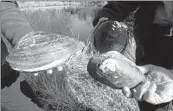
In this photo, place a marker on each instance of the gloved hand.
(157, 89)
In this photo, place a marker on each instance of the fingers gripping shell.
(42, 51)
(114, 70)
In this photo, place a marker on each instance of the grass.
(48, 3)
(73, 89)
(29, 4)
(67, 21)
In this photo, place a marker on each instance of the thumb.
(145, 68)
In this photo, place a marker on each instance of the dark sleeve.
(8, 75)
(13, 24)
(116, 10)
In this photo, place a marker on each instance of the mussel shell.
(126, 74)
(110, 36)
(42, 49)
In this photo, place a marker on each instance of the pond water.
(73, 21)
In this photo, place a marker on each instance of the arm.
(115, 10)
(13, 24)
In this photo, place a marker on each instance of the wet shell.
(110, 36)
(115, 70)
(42, 51)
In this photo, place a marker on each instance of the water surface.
(74, 21)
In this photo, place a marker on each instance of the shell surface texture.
(42, 51)
(110, 36)
(115, 70)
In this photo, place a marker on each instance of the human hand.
(156, 89)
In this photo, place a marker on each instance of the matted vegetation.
(73, 89)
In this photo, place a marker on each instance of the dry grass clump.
(73, 89)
